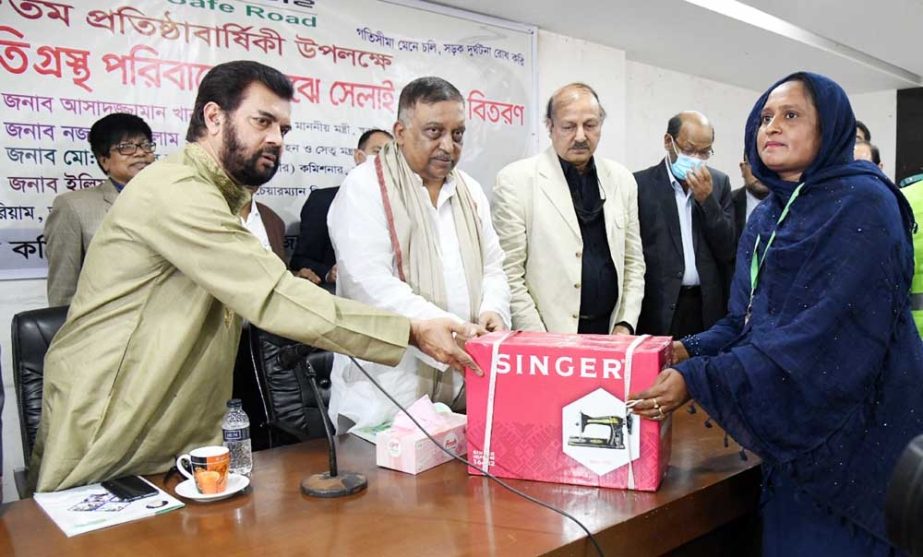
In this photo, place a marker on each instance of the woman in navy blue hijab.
(817, 368)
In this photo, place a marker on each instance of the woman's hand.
(680, 354)
(667, 394)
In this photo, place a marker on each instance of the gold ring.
(659, 409)
(656, 404)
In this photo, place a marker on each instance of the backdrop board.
(65, 64)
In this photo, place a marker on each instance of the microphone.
(289, 356)
(332, 483)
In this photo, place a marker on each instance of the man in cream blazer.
(568, 224)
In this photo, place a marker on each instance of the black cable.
(487, 474)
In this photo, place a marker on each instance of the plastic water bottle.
(236, 429)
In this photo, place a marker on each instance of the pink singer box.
(551, 407)
(405, 448)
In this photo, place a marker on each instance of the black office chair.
(278, 400)
(904, 502)
(32, 334)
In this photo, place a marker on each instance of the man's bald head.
(691, 133)
(688, 116)
(570, 93)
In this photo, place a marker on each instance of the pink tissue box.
(409, 450)
(559, 412)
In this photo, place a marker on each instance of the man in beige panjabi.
(141, 370)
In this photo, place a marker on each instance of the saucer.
(236, 482)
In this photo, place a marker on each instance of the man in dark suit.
(746, 199)
(314, 258)
(687, 231)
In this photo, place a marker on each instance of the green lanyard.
(756, 262)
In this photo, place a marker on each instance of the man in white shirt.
(413, 234)
(687, 230)
(265, 224)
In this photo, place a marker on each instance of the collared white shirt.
(752, 202)
(254, 223)
(684, 201)
(367, 272)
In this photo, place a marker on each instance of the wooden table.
(442, 511)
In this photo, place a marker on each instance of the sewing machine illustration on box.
(615, 424)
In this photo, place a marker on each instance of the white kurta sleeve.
(365, 260)
(495, 290)
(366, 270)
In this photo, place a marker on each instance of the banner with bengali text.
(65, 64)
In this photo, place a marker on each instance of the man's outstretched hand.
(443, 340)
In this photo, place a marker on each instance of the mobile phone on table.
(129, 488)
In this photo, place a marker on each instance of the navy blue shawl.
(825, 383)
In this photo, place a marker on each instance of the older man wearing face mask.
(568, 222)
(413, 235)
(687, 228)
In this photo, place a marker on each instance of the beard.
(243, 167)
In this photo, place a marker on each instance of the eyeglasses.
(128, 148)
(703, 154)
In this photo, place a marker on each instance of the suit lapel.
(110, 194)
(611, 208)
(667, 200)
(612, 205)
(554, 187)
(740, 211)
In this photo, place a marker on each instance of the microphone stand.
(332, 483)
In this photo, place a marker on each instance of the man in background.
(568, 223)
(264, 223)
(687, 228)
(746, 199)
(862, 132)
(912, 188)
(865, 151)
(314, 258)
(123, 145)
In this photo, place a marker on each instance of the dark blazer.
(314, 249)
(739, 198)
(712, 238)
(739, 202)
(275, 229)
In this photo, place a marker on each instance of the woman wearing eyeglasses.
(818, 367)
(123, 145)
